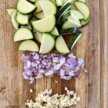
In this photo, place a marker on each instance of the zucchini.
(59, 2)
(27, 26)
(55, 32)
(84, 1)
(10, 11)
(40, 15)
(25, 7)
(48, 7)
(54, 1)
(68, 31)
(38, 7)
(83, 22)
(75, 39)
(33, 1)
(22, 19)
(83, 9)
(72, 22)
(61, 45)
(63, 9)
(47, 43)
(38, 37)
(13, 19)
(45, 25)
(29, 45)
(77, 14)
(23, 34)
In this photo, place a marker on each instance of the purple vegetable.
(37, 66)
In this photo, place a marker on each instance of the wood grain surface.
(92, 87)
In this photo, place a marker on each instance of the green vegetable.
(25, 7)
(61, 45)
(23, 34)
(29, 45)
(47, 43)
(46, 24)
(75, 39)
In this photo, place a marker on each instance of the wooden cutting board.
(92, 87)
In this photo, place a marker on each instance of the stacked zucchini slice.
(41, 24)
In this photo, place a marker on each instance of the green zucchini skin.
(68, 31)
(78, 34)
(64, 9)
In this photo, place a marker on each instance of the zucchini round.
(23, 34)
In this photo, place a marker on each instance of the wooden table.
(92, 87)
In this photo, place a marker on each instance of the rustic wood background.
(92, 87)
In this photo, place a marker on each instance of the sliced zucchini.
(33, 1)
(45, 25)
(63, 9)
(23, 34)
(77, 14)
(25, 6)
(27, 26)
(13, 19)
(47, 43)
(55, 32)
(73, 12)
(68, 31)
(38, 7)
(22, 19)
(10, 10)
(54, 1)
(83, 22)
(40, 15)
(29, 45)
(48, 7)
(72, 22)
(84, 1)
(38, 37)
(73, 7)
(59, 2)
(75, 39)
(61, 45)
(83, 9)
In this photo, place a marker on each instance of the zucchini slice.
(55, 32)
(25, 6)
(40, 15)
(29, 45)
(22, 19)
(10, 10)
(38, 7)
(68, 31)
(54, 1)
(83, 22)
(84, 1)
(13, 19)
(59, 2)
(72, 22)
(64, 9)
(61, 45)
(77, 14)
(48, 7)
(23, 34)
(38, 37)
(33, 1)
(75, 39)
(82, 7)
(27, 26)
(47, 43)
(45, 25)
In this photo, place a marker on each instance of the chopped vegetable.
(54, 101)
(37, 66)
